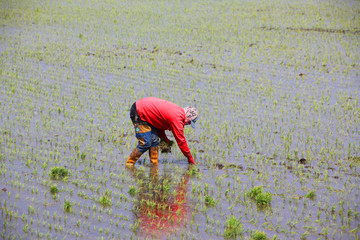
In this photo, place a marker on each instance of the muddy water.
(49, 122)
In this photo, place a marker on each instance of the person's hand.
(191, 160)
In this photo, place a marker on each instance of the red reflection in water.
(159, 210)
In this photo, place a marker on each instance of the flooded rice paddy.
(277, 144)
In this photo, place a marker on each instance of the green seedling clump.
(311, 195)
(259, 236)
(255, 191)
(132, 190)
(67, 206)
(57, 173)
(166, 186)
(209, 201)
(355, 159)
(54, 189)
(262, 198)
(105, 200)
(194, 172)
(233, 228)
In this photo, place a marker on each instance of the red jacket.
(164, 115)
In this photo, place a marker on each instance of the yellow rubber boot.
(134, 156)
(154, 155)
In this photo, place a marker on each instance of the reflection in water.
(159, 208)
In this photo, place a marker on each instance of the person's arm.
(178, 132)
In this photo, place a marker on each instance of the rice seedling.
(67, 206)
(132, 190)
(194, 172)
(209, 201)
(26, 228)
(105, 200)
(311, 195)
(57, 173)
(260, 197)
(258, 235)
(233, 228)
(54, 189)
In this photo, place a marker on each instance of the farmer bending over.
(151, 117)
